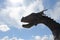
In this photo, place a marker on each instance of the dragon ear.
(42, 12)
(45, 10)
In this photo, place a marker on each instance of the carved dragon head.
(33, 19)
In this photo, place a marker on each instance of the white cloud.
(34, 6)
(51, 37)
(13, 38)
(45, 37)
(13, 12)
(37, 38)
(55, 12)
(4, 28)
(21, 39)
(15, 2)
(5, 38)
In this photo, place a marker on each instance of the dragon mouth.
(27, 25)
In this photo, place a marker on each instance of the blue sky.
(11, 12)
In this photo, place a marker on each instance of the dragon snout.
(22, 19)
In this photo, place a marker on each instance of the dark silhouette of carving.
(36, 18)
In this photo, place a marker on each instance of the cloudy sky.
(11, 12)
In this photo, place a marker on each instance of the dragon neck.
(53, 26)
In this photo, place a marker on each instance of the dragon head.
(33, 19)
